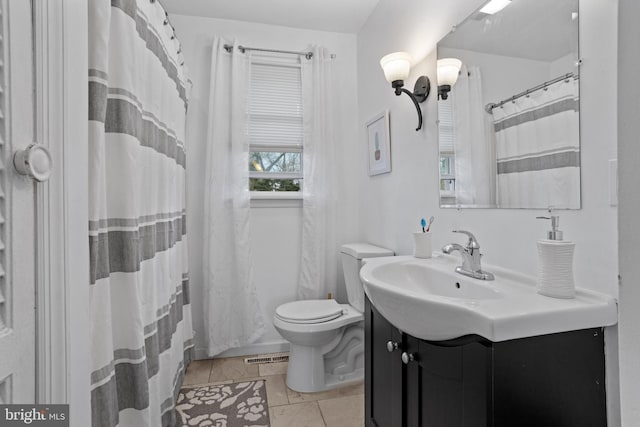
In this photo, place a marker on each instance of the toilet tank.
(352, 255)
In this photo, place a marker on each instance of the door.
(17, 208)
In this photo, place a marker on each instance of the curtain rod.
(243, 49)
(489, 107)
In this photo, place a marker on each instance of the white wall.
(392, 204)
(275, 231)
(628, 93)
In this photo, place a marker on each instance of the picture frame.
(379, 144)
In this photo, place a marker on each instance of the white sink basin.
(427, 299)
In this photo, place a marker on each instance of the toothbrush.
(429, 226)
(423, 223)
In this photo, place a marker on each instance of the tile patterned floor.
(343, 407)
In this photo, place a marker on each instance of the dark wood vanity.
(555, 380)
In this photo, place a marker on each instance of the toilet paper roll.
(555, 268)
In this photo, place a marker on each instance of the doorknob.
(34, 161)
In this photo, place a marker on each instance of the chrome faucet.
(470, 257)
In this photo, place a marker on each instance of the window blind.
(275, 106)
(446, 128)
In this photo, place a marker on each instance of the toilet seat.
(309, 311)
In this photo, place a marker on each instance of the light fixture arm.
(420, 93)
(415, 102)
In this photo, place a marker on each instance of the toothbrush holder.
(422, 245)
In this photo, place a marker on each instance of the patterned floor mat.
(241, 404)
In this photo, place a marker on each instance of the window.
(275, 125)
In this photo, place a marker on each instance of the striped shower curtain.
(538, 149)
(141, 333)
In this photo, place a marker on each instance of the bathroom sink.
(427, 299)
(419, 277)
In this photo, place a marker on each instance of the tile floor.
(343, 407)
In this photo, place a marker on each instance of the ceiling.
(344, 16)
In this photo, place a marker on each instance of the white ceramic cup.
(422, 245)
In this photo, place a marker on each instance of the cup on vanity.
(422, 244)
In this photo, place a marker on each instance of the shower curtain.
(474, 142)
(318, 269)
(141, 333)
(232, 313)
(538, 149)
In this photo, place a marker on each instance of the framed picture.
(379, 145)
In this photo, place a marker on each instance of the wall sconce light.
(396, 67)
(448, 70)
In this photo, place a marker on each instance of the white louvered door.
(17, 208)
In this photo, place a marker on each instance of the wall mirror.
(508, 108)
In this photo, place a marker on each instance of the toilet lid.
(309, 311)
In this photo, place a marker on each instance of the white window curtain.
(318, 271)
(474, 145)
(231, 309)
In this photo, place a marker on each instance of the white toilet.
(327, 338)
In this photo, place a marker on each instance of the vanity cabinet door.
(384, 393)
(551, 380)
(447, 386)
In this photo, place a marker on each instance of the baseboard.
(250, 350)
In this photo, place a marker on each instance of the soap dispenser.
(555, 263)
